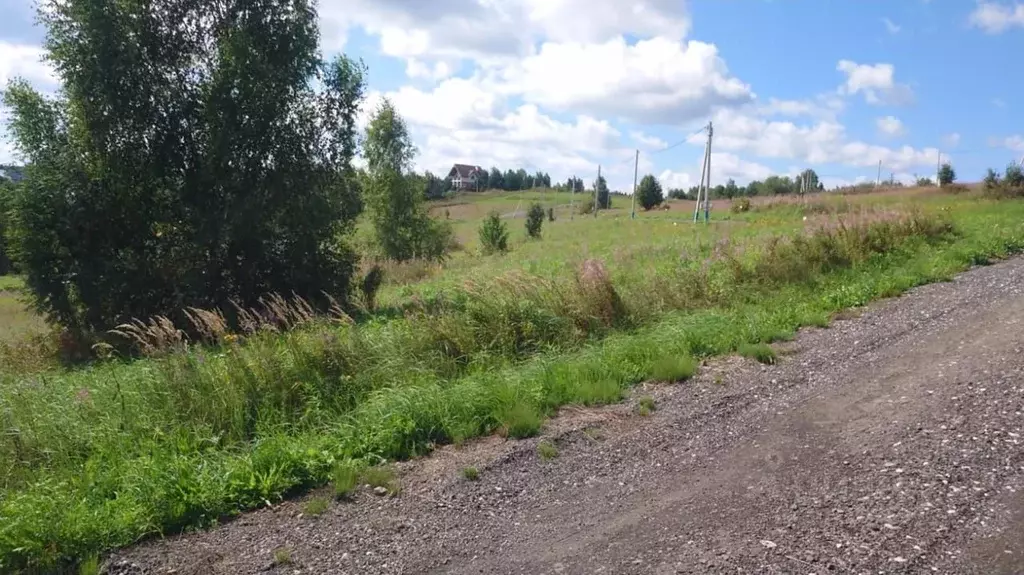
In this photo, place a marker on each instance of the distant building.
(12, 173)
(465, 177)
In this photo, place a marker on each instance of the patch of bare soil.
(888, 443)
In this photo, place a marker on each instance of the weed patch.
(316, 506)
(673, 369)
(761, 352)
(470, 473)
(645, 406)
(547, 450)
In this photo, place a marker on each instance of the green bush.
(493, 234)
(947, 175)
(649, 192)
(155, 183)
(740, 205)
(534, 220)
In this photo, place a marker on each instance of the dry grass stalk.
(155, 337)
(210, 325)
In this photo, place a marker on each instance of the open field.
(99, 457)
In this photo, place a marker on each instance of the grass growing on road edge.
(92, 487)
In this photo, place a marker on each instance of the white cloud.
(596, 21)
(651, 143)
(824, 142)
(891, 26)
(461, 120)
(998, 102)
(1014, 143)
(951, 140)
(26, 61)
(997, 17)
(497, 31)
(876, 81)
(653, 81)
(724, 167)
(890, 126)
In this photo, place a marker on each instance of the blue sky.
(566, 85)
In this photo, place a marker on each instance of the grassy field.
(16, 323)
(103, 455)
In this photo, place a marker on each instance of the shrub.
(493, 234)
(586, 206)
(649, 192)
(924, 182)
(471, 473)
(140, 179)
(370, 284)
(947, 175)
(992, 180)
(1014, 175)
(534, 220)
(740, 205)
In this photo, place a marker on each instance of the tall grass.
(100, 457)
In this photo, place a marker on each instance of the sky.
(566, 86)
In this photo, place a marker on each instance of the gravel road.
(888, 443)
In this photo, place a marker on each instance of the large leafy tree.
(604, 198)
(404, 229)
(649, 193)
(6, 197)
(947, 175)
(199, 153)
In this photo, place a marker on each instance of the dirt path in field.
(888, 443)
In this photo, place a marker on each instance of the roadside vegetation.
(158, 399)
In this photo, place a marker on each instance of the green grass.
(761, 352)
(646, 406)
(547, 450)
(316, 506)
(344, 478)
(282, 556)
(100, 456)
(17, 322)
(471, 473)
(673, 369)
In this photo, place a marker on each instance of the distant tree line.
(437, 187)
(770, 186)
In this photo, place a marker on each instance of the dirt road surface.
(888, 443)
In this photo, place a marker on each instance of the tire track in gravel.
(889, 443)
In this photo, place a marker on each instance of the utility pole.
(636, 168)
(707, 191)
(572, 196)
(938, 170)
(704, 188)
(878, 178)
(597, 185)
